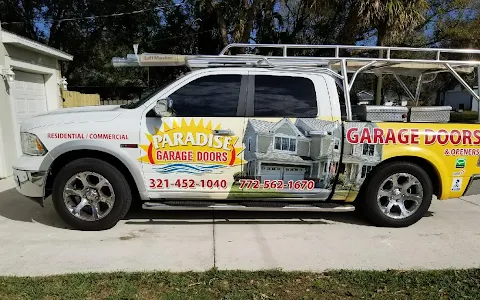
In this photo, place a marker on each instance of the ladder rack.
(336, 60)
(336, 49)
(394, 58)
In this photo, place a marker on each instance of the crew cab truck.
(252, 132)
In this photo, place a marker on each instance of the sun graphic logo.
(190, 148)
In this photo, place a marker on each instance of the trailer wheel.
(398, 195)
(90, 194)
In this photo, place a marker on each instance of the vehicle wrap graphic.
(302, 157)
(188, 169)
(191, 148)
(441, 145)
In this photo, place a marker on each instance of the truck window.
(209, 96)
(284, 96)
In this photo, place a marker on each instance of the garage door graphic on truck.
(308, 149)
(284, 157)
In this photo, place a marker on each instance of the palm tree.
(393, 20)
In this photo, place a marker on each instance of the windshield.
(149, 94)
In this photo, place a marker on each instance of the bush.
(241, 175)
(463, 117)
(238, 175)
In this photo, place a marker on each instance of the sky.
(43, 28)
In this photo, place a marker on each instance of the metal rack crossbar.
(337, 60)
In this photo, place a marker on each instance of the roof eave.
(11, 38)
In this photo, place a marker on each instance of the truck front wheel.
(398, 195)
(90, 194)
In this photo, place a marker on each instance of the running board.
(320, 207)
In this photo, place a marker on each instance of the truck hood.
(101, 113)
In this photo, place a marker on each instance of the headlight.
(31, 145)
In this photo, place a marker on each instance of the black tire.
(123, 195)
(368, 203)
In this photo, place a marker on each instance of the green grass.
(448, 284)
(464, 117)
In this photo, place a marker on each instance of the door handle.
(222, 132)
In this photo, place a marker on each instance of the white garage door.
(285, 173)
(293, 173)
(29, 95)
(271, 173)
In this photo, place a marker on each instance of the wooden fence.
(75, 99)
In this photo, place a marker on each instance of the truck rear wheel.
(90, 194)
(398, 195)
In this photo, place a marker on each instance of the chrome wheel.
(400, 195)
(88, 196)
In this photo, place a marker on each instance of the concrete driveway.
(34, 240)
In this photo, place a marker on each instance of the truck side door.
(198, 151)
(357, 160)
(293, 146)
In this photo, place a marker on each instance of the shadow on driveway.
(15, 207)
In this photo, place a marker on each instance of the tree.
(392, 20)
(19, 16)
(206, 26)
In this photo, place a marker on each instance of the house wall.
(455, 98)
(474, 103)
(250, 168)
(315, 147)
(6, 130)
(303, 148)
(320, 146)
(366, 160)
(27, 61)
(251, 143)
(30, 57)
(264, 142)
(324, 175)
(358, 151)
(327, 146)
(252, 136)
(348, 148)
(286, 129)
(315, 169)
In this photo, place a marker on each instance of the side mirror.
(164, 107)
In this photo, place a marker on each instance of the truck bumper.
(473, 187)
(31, 184)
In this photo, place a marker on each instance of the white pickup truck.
(275, 134)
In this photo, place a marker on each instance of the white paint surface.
(27, 97)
